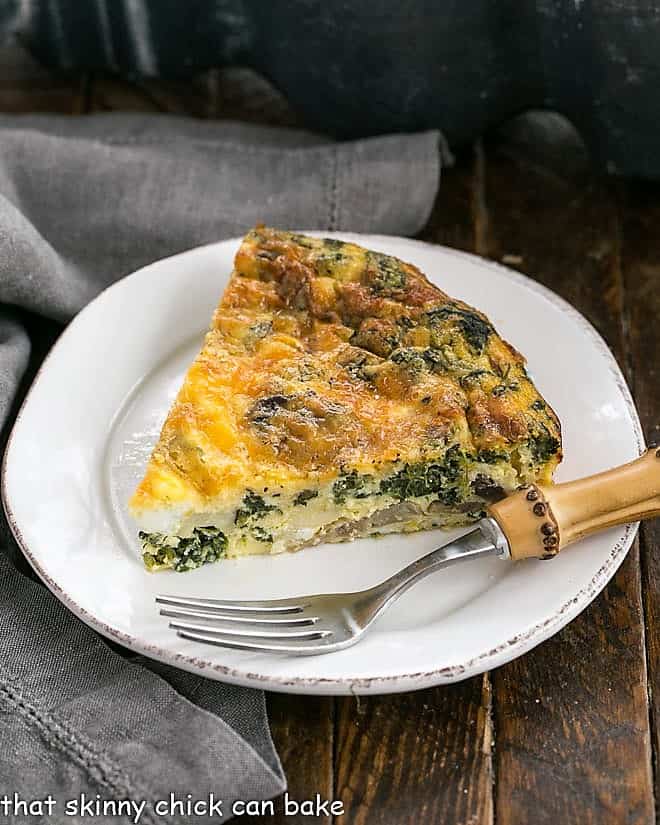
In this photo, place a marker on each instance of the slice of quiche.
(338, 394)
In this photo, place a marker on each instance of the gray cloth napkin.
(84, 201)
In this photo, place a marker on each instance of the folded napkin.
(84, 201)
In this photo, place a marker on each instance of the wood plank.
(230, 93)
(640, 209)
(196, 98)
(243, 94)
(302, 728)
(25, 86)
(416, 757)
(571, 717)
(423, 756)
(457, 213)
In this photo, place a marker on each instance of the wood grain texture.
(27, 87)
(196, 98)
(303, 732)
(457, 211)
(417, 757)
(571, 718)
(228, 94)
(640, 218)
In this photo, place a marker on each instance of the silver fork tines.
(282, 635)
(279, 621)
(273, 606)
(249, 625)
(258, 645)
(309, 624)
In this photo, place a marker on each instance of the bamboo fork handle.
(540, 520)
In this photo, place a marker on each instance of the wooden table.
(568, 733)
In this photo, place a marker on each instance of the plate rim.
(487, 660)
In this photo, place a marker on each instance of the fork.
(308, 625)
(536, 521)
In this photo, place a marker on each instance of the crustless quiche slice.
(338, 394)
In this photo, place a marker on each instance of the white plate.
(85, 431)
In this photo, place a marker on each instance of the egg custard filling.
(338, 394)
